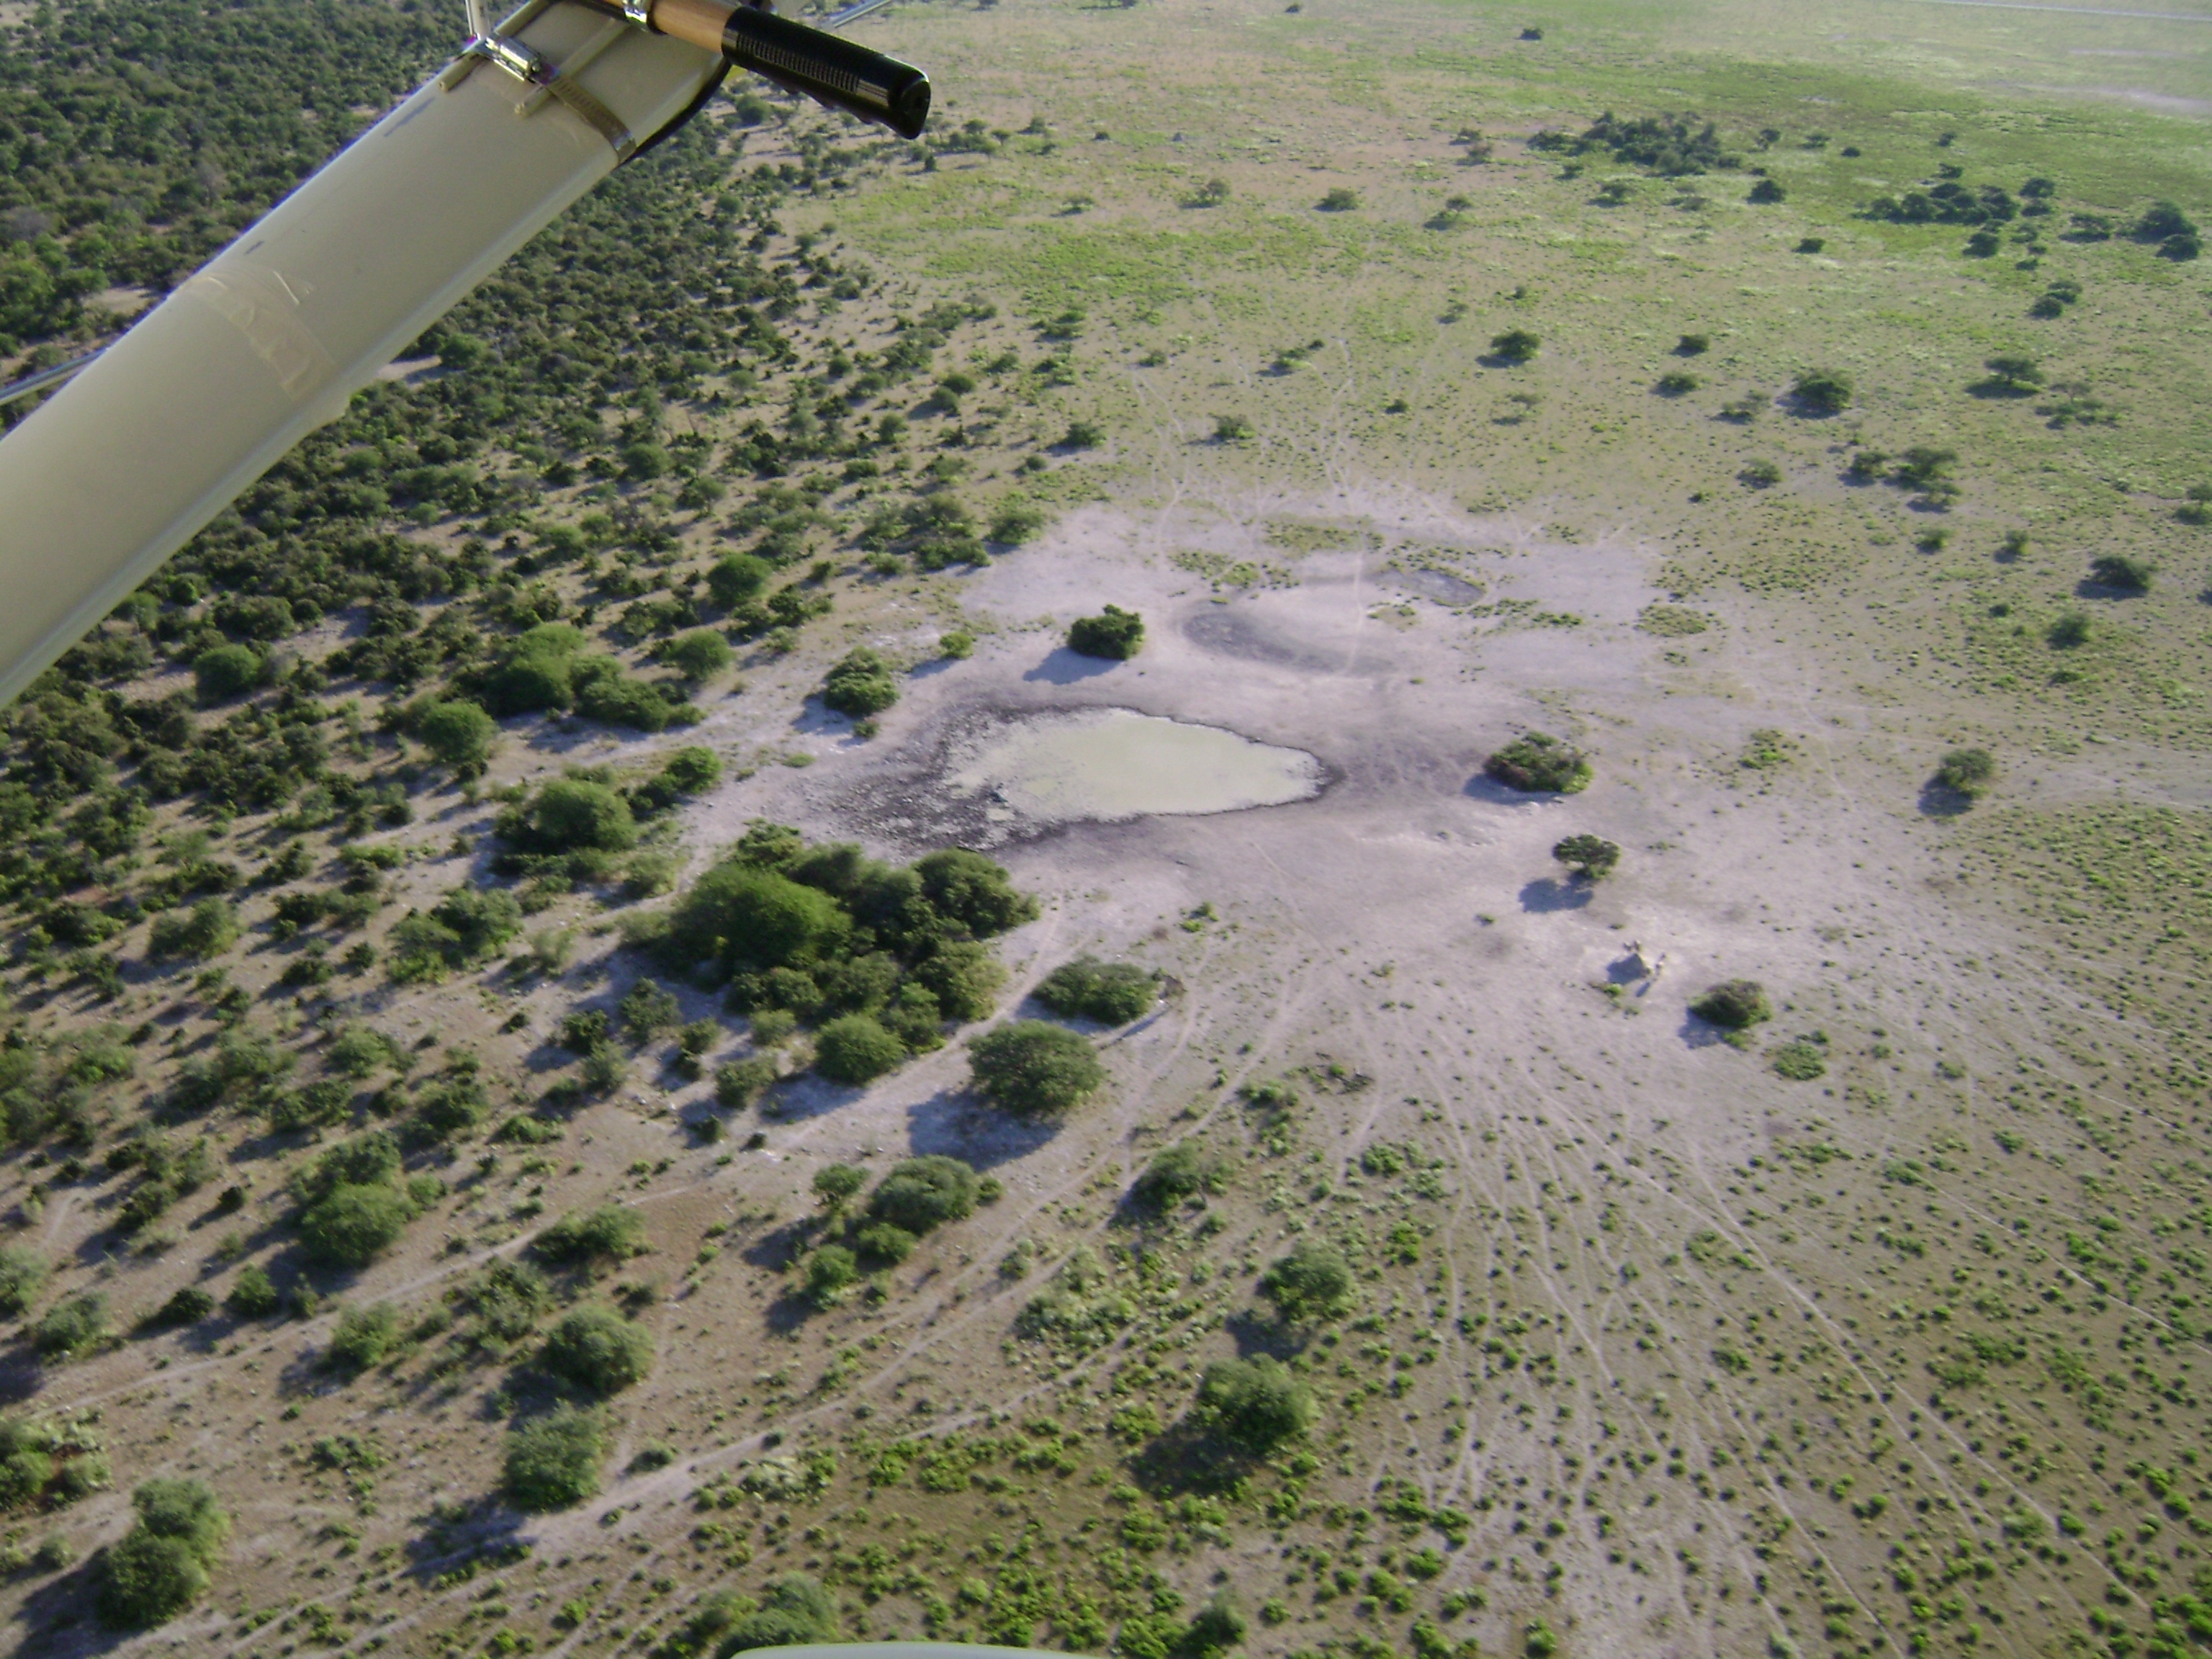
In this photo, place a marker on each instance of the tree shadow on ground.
(1066, 667)
(1697, 1033)
(957, 1123)
(58, 1619)
(1549, 893)
(1939, 800)
(1627, 969)
(459, 1538)
(1186, 1457)
(1484, 787)
(1254, 1334)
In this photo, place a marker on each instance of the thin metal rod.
(44, 379)
(854, 13)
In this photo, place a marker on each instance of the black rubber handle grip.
(828, 67)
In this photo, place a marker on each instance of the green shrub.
(756, 917)
(1540, 764)
(737, 577)
(963, 977)
(465, 926)
(968, 890)
(352, 1225)
(207, 929)
(161, 1567)
(1825, 391)
(861, 684)
(957, 647)
(570, 815)
(699, 655)
(71, 1327)
(1111, 993)
(1256, 1404)
(880, 1241)
(835, 1185)
(856, 1049)
(1800, 1061)
(1034, 1069)
(2123, 571)
(830, 1272)
(552, 1462)
(2069, 632)
(1967, 771)
(1341, 199)
(797, 1611)
(1675, 383)
(363, 1337)
(188, 1306)
(609, 1233)
(1766, 193)
(1175, 1173)
(226, 671)
(252, 1294)
(1115, 634)
(460, 734)
(1311, 1284)
(742, 1082)
(1015, 522)
(600, 1351)
(1591, 857)
(647, 1009)
(1736, 1004)
(22, 1275)
(1516, 345)
(922, 1193)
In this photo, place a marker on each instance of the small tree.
(1116, 634)
(161, 1567)
(226, 671)
(1111, 993)
(797, 1611)
(598, 1350)
(1516, 345)
(609, 1233)
(926, 1192)
(698, 655)
(1034, 1069)
(1231, 430)
(71, 1327)
(1734, 1005)
(742, 1082)
(836, 1186)
(1766, 193)
(458, 733)
(252, 1296)
(855, 1048)
(1174, 1174)
(553, 1462)
(352, 1225)
(207, 929)
(861, 684)
(1339, 200)
(22, 1275)
(830, 1272)
(571, 815)
(1590, 857)
(1824, 391)
(2123, 571)
(2012, 375)
(647, 1009)
(1254, 1404)
(1540, 764)
(1311, 1284)
(1967, 771)
(737, 577)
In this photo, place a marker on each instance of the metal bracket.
(499, 47)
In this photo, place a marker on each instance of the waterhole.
(1105, 764)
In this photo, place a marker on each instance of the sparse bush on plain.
(831, 1271)
(458, 733)
(71, 1327)
(162, 1565)
(1175, 1173)
(742, 1082)
(922, 1193)
(861, 684)
(207, 928)
(797, 1611)
(1591, 857)
(609, 1233)
(855, 1048)
(1824, 391)
(363, 1337)
(1516, 345)
(23, 1272)
(1734, 1005)
(598, 1350)
(1967, 771)
(1114, 634)
(2123, 573)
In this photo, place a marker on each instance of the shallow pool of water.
(1110, 763)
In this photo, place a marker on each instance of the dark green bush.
(1175, 1173)
(698, 655)
(1311, 1284)
(2123, 571)
(647, 1009)
(742, 1082)
(187, 1306)
(458, 733)
(922, 1193)
(553, 1462)
(609, 1233)
(252, 1294)
(856, 1049)
(226, 671)
(465, 926)
(737, 577)
(1115, 634)
(1967, 771)
(1111, 993)
(1254, 1404)
(861, 684)
(963, 977)
(1540, 764)
(567, 815)
(71, 1327)
(23, 1272)
(1514, 345)
(1034, 1069)
(1734, 1005)
(797, 1611)
(830, 1272)
(880, 1241)
(352, 1225)
(756, 917)
(599, 1351)
(208, 928)
(363, 1337)
(162, 1566)
(1825, 391)
(1591, 857)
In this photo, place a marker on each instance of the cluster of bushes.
(918, 1195)
(881, 955)
(50, 1463)
(162, 1565)
(580, 826)
(458, 931)
(1111, 993)
(355, 1200)
(547, 670)
(1670, 146)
